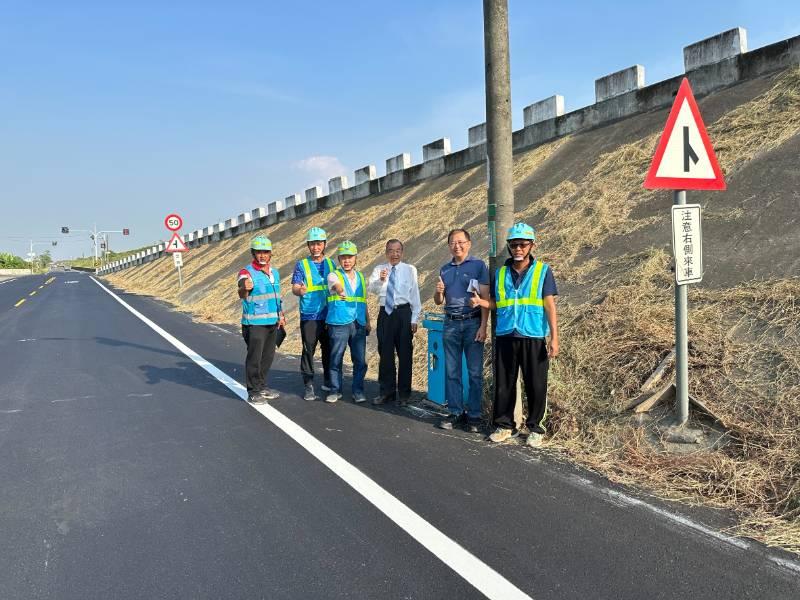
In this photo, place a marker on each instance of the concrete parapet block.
(476, 135)
(436, 149)
(621, 82)
(337, 184)
(715, 49)
(549, 108)
(398, 163)
(312, 195)
(219, 230)
(363, 174)
(290, 204)
(230, 226)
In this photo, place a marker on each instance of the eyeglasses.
(515, 245)
(454, 244)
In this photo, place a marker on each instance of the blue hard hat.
(521, 231)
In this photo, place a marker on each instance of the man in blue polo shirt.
(464, 329)
(309, 284)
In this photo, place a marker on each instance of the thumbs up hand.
(384, 274)
(475, 301)
(440, 286)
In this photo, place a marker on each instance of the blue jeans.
(459, 338)
(355, 336)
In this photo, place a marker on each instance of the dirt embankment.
(607, 240)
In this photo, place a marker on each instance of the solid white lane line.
(468, 566)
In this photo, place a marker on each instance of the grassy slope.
(607, 240)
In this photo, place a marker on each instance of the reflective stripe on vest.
(313, 302)
(533, 298)
(262, 305)
(350, 308)
(521, 310)
(310, 285)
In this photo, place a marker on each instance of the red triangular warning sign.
(684, 158)
(176, 244)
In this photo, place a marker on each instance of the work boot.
(309, 393)
(501, 434)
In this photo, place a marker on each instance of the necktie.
(389, 304)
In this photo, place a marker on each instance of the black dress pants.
(313, 333)
(529, 355)
(260, 340)
(394, 335)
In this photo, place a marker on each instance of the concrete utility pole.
(499, 159)
(499, 166)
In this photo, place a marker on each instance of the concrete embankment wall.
(711, 64)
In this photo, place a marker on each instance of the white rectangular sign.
(687, 243)
(177, 257)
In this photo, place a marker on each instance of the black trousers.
(313, 333)
(394, 335)
(260, 340)
(528, 355)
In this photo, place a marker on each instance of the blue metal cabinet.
(434, 323)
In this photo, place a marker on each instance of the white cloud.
(321, 169)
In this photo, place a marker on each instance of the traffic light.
(65, 230)
(126, 231)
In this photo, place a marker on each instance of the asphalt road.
(128, 471)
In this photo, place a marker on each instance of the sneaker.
(449, 422)
(326, 387)
(331, 398)
(473, 425)
(501, 434)
(534, 439)
(359, 398)
(309, 393)
(256, 398)
(401, 402)
(269, 394)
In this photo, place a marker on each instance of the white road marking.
(622, 499)
(11, 411)
(7, 281)
(485, 579)
(222, 329)
(139, 395)
(27, 340)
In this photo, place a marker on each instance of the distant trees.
(9, 261)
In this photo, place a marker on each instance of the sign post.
(176, 246)
(684, 160)
(177, 258)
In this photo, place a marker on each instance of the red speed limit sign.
(173, 222)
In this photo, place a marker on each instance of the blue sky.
(120, 112)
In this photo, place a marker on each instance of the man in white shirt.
(395, 284)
